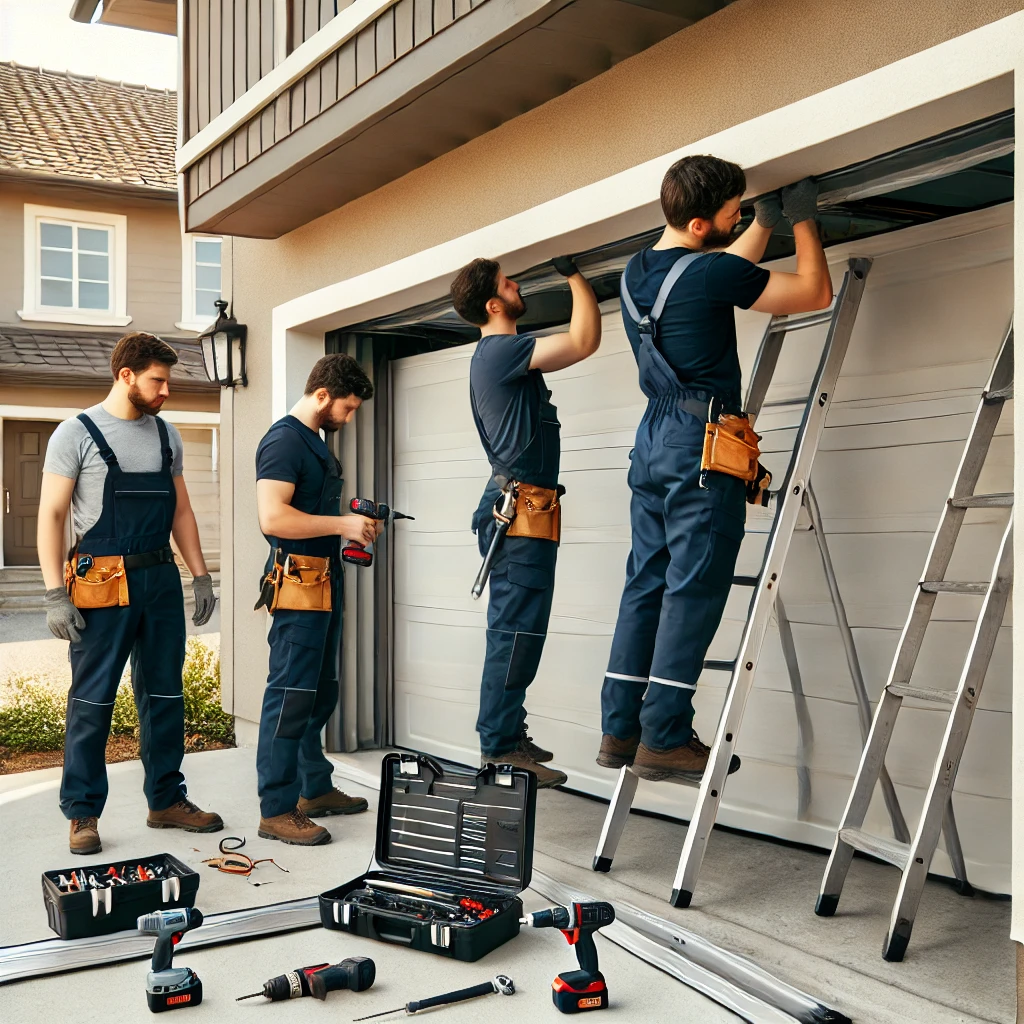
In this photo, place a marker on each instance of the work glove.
(768, 210)
(63, 619)
(202, 587)
(800, 201)
(565, 265)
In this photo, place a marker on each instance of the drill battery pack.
(191, 995)
(579, 991)
(454, 849)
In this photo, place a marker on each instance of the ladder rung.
(1003, 500)
(801, 322)
(953, 587)
(947, 697)
(720, 666)
(892, 851)
(746, 581)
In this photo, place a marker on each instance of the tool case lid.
(450, 821)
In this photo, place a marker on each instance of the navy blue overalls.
(302, 684)
(135, 521)
(521, 584)
(685, 539)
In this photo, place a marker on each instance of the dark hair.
(474, 286)
(699, 186)
(341, 375)
(138, 351)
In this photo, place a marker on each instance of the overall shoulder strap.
(675, 272)
(165, 445)
(106, 452)
(310, 444)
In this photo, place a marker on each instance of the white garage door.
(938, 300)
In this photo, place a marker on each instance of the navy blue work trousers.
(150, 631)
(521, 586)
(301, 693)
(685, 540)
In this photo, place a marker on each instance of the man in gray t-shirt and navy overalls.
(520, 434)
(120, 466)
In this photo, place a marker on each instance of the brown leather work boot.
(616, 753)
(295, 828)
(85, 836)
(680, 764)
(332, 802)
(546, 777)
(531, 750)
(185, 815)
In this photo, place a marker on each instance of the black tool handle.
(357, 973)
(586, 952)
(451, 997)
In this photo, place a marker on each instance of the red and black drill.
(585, 989)
(356, 553)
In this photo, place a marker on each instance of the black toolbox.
(89, 912)
(451, 829)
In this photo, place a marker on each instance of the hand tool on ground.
(499, 983)
(233, 863)
(355, 553)
(356, 974)
(167, 987)
(585, 989)
(503, 517)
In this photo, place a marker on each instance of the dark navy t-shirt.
(697, 329)
(288, 455)
(506, 394)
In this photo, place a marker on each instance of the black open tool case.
(88, 912)
(452, 830)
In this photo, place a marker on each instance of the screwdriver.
(499, 983)
(355, 973)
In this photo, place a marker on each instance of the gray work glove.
(565, 265)
(62, 617)
(202, 587)
(800, 201)
(768, 210)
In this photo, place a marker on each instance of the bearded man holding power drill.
(298, 500)
(678, 298)
(519, 430)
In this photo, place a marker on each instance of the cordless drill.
(167, 987)
(585, 989)
(356, 553)
(356, 973)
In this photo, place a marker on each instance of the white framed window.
(75, 267)
(201, 281)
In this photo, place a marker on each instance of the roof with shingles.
(88, 129)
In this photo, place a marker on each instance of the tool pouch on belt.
(538, 513)
(104, 585)
(730, 446)
(302, 583)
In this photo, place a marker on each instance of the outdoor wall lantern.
(223, 347)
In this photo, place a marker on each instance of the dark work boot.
(332, 802)
(531, 750)
(546, 777)
(680, 764)
(295, 828)
(85, 836)
(616, 753)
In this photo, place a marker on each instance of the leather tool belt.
(730, 447)
(299, 583)
(101, 581)
(538, 512)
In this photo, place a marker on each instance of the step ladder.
(914, 858)
(840, 319)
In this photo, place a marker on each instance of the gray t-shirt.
(72, 452)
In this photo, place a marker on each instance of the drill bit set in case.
(97, 899)
(454, 849)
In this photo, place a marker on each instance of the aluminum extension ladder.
(840, 318)
(914, 858)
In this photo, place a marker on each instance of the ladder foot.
(603, 864)
(680, 898)
(964, 888)
(896, 943)
(826, 905)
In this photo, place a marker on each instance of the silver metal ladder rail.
(840, 318)
(914, 858)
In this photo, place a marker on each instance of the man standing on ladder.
(519, 430)
(687, 524)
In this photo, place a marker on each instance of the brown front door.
(24, 448)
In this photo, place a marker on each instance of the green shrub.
(32, 718)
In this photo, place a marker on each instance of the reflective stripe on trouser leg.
(519, 606)
(296, 657)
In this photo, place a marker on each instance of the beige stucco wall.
(154, 254)
(753, 57)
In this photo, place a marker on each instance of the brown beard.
(716, 239)
(135, 397)
(515, 310)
